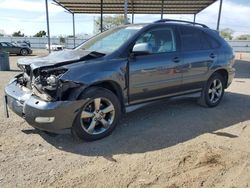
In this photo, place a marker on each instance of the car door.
(13, 48)
(197, 56)
(5, 47)
(156, 74)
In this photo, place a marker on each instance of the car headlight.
(52, 80)
(47, 81)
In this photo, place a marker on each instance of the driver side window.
(160, 40)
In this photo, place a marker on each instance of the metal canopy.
(131, 7)
(136, 6)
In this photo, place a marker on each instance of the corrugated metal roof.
(136, 6)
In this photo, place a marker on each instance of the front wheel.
(99, 115)
(213, 91)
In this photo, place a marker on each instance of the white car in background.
(55, 47)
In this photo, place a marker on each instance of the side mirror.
(142, 49)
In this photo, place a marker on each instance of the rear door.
(198, 56)
(156, 74)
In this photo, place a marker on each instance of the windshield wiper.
(96, 54)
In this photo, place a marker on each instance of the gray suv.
(88, 88)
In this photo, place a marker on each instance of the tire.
(24, 52)
(213, 91)
(93, 122)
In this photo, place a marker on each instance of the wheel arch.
(113, 87)
(224, 73)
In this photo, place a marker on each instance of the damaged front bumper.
(48, 116)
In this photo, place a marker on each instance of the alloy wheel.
(97, 116)
(215, 91)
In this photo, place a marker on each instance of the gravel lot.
(172, 143)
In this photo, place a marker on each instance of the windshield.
(109, 41)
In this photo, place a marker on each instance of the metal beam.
(74, 31)
(137, 12)
(181, 3)
(101, 15)
(219, 16)
(138, 9)
(125, 11)
(47, 19)
(194, 18)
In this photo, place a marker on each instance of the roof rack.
(182, 21)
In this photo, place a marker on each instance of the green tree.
(62, 40)
(227, 33)
(243, 37)
(18, 34)
(108, 22)
(40, 34)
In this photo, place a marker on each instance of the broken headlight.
(48, 82)
(52, 80)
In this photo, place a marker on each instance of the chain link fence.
(40, 42)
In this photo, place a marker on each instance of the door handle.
(176, 59)
(212, 55)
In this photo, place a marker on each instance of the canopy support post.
(125, 11)
(74, 33)
(47, 19)
(194, 18)
(133, 12)
(219, 16)
(162, 4)
(101, 16)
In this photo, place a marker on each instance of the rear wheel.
(24, 52)
(99, 115)
(213, 91)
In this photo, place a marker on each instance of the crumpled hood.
(55, 58)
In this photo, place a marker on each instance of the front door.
(158, 73)
(6, 47)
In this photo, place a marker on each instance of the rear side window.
(193, 39)
(213, 43)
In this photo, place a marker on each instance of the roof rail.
(182, 21)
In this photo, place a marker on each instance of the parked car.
(88, 88)
(55, 47)
(15, 49)
(24, 43)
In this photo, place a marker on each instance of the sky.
(29, 17)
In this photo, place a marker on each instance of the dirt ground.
(171, 144)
